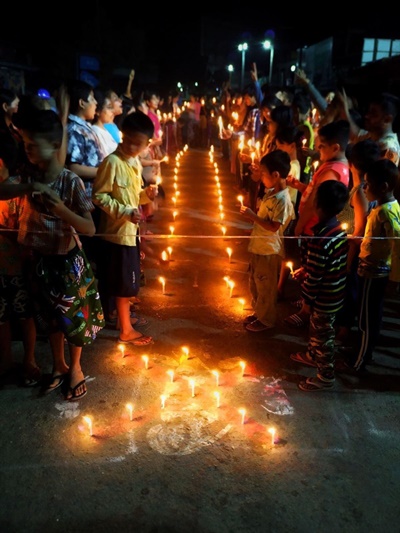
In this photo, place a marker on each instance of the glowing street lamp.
(242, 48)
(230, 70)
(268, 45)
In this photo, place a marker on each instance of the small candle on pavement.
(272, 431)
(129, 406)
(243, 413)
(89, 423)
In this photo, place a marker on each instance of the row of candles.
(185, 350)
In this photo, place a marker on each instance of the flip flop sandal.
(249, 319)
(72, 396)
(315, 384)
(257, 326)
(295, 321)
(56, 381)
(301, 357)
(143, 340)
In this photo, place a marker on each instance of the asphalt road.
(185, 459)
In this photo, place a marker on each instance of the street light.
(230, 70)
(242, 48)
(268, 45)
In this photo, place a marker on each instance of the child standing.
(118, 191)
(14, 298)
(324, 284)
(333, 139)
(379, 258)
(266, 243)
(63, 285)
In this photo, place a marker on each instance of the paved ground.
(194, 466)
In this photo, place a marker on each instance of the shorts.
(15, 302)
(122, 269)
(64, 290)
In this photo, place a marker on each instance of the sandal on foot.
(143, 340)
(295, 321)
(298, 304)
(249, 319)
(31, 376)
(56, 381)
(140, 321)
(314, 384)
(72, 395)
(301, 357)
(257, 326)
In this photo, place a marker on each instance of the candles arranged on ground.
(129, 407)
(163, 398)
(89, 423)
(164, 256)
(174, 214)
(242, 301)
(192, 385)
(145, 359)
(216, 374)
(121, 348)
(217, 398)
(171, 229)
(229, 252)
(162, 281)
(242, 365)
(243, 414)
(223, 229)
(272, 431)
(231, 287)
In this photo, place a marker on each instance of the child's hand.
(151, 191)
(299, 274)
(135, 216)
(247, 212)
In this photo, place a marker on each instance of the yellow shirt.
(118, 190)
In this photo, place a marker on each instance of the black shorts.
(122, 270)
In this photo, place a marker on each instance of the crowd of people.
(88, 160)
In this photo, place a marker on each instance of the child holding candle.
(323, 278)
(64, 289)
(266, 243)
(333, 139)
(118, 191)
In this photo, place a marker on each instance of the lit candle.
(122, 349)
(304, 142)
(242, 301)
(272, 431)
(289, 264)
(129, 406)
(164, 256)
(229, 252)
(243, 366)
(174, 214)
(223, 229)
(146, 361)
(240, 198)
(163, 398)
(231, 286)
(169, 250)
(243, 413)
(171, 375)
(216, 374)
(192, 384)
(217, 397)
(222, 216)
(89, 423)
(172, 229)
(344, 226)
(185, 350)
(162, 281)
(253, 155)
(221, 127)
(174, 200)
(226, 279)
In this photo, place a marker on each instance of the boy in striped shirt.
(323, 284)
